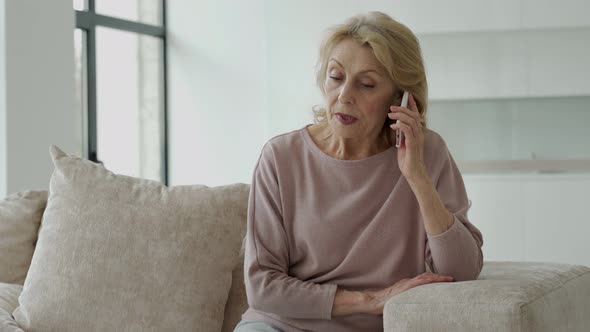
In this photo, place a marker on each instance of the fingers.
(433, 277)
(408, 132)
(409, 122)
(423, 279)
(409, 115)
(405, 116)
(430, 274)
(411, 109)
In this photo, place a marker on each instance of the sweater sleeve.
(269, 288)
(456, 252)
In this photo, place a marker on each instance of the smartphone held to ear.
(399, 135)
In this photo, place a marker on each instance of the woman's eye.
(368, 86)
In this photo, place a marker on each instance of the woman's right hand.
(377, 299)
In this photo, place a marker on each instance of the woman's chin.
(345, 131)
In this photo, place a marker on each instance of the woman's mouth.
(345, 119)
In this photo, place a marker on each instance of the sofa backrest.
(236, 303)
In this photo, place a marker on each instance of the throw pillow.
(118, 253)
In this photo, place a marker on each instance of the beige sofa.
(102, 252)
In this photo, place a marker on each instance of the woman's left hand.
(410, 155)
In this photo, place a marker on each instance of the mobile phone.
(399, 135)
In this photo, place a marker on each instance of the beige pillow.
(20, 216)
(117, 253)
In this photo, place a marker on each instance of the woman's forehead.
(351, 54)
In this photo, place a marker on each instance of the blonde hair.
(395, 47)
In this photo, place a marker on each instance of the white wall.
(217, 90)
(2, 99)
(238, 74)
(37, 98)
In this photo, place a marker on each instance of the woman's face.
(356, 87)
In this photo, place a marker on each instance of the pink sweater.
(316, 223)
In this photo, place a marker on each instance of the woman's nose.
(346, 94)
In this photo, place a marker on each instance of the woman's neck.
(346, 148)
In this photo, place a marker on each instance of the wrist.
(370, 303)
(351, 302)
(366, 301)
(420, 177)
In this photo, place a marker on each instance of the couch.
(101, 251)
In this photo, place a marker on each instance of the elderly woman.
(340, 220)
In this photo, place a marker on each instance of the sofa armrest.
(508, 296)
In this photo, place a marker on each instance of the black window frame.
(87, 21)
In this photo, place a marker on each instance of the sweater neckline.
(383, 156)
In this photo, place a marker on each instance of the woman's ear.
(397, 97)
(397, 101)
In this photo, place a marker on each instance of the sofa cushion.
(8, 302)
(508, 296)
(20, 216)
(117, 253)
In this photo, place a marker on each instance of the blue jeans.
(255, 326)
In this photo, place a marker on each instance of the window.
(121, 85)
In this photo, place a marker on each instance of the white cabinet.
(516, 134)
(511, 100)
(507, 64)
(509, 81)
(533, 217)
